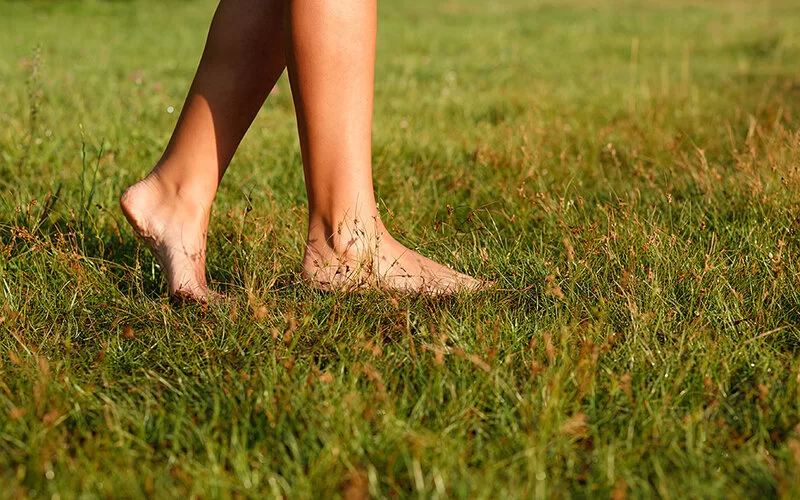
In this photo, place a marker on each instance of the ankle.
(346, 235)
(153, 197)
(172, 181)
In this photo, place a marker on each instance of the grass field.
(628, 172)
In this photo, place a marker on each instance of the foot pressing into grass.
(174, 227)
(354, 259)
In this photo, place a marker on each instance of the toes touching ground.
(174, 229)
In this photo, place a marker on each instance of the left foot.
(174, 229)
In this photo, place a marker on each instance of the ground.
(627, 172)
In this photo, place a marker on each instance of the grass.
(628, 172)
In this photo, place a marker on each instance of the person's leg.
(331, 63)
(170, 208)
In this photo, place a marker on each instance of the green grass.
(628, 172)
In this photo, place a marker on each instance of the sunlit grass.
(627, 172)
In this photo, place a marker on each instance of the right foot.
(174, 228)
(371, 258)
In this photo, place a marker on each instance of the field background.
(628, 172)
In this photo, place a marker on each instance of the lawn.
(628, 172)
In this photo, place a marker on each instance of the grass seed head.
(17, 413)
(576, 426)
(356, 486)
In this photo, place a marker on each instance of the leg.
(170, 208)
(331, 62)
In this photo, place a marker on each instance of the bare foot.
(174, 228)
(350, 260)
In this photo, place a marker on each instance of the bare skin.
(329, 49)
